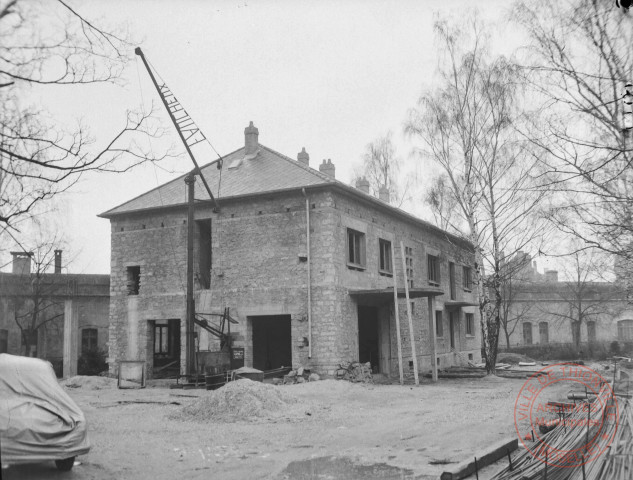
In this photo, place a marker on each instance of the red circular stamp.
(566, 433)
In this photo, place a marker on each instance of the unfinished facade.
(304, 263)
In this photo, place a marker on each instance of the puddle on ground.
(342, 468)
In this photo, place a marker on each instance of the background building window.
(89, 337)
(470, 324)
(355, 248)
(434, 269)
(591, 331)
(385, 265)
(133, 280)
(625, 330)
(543, 331)
(408, 252)
(439, 325)
(467, 278)
(527, 333)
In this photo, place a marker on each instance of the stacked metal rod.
(573, 452)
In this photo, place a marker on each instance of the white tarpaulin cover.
(38, 420)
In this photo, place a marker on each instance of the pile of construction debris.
(355, 372)
(89, 382)
(300, 375)
(239, 400)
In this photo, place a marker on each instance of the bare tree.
(468, 128)
(444, 205)
(37, 298)
(583, 297)
(516, 275)
(578, 64)
(381, 167)
(44, 46)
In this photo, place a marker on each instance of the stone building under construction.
(303, 262)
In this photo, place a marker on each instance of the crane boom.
(178, 124)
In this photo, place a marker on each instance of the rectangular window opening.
(451, 280)
(89, 337)
(385, 266)
(355, 249)
(470, 324)
(439, 325)
(133, 280)
(204, 253)
(433, 263)
(408, 251)
(467, 278)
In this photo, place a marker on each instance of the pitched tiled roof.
(269, 171)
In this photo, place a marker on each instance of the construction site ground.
(336, 430)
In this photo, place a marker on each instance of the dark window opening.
(439, 325)
(625, 330)
(355, 248)
(408, 252)
(527, 333)
(4, 340)
(385, 265)
(204, 253)
(543, 330)
(591, 331)
(451, 280)
(89, 337)
(470, 324)
(433, 263)
(467, 278)
(133, 280)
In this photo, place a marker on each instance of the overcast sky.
(329, 76)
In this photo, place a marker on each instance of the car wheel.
(66, 464)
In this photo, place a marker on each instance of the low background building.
(62, 315)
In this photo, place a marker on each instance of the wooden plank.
(411, 332)
(397, 314)
(484, 458)
(433, 338)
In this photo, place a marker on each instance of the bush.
(92, 362)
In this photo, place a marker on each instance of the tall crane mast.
(190, 135)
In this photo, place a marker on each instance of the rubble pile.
(355, 372)
(89, 382)
(238, 400)
(300, 375)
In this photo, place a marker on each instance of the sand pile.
(89, 383)
(238, 400)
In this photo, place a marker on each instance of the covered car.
(38, 420)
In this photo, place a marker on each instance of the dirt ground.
(337, 430)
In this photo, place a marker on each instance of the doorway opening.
(452, 327)
(369, 337)
(272, 343)
(166, 347)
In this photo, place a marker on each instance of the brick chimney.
(551, 276)
(328, 168)
(303, 157)
(22, 262)
(383, 194)
(58, 261)
(251, 139)
(363, 185)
